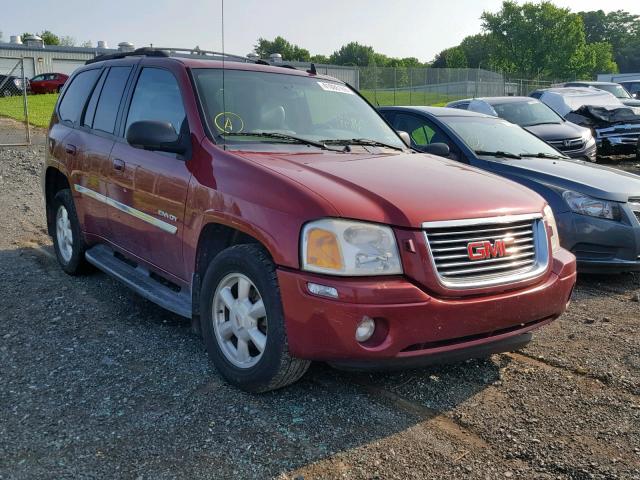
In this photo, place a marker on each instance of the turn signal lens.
(323, 250)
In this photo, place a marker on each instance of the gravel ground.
(96, 382)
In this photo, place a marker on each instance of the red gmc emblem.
(485, 249)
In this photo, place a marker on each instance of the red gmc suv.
(280, 212)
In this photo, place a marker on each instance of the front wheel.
(243, 321)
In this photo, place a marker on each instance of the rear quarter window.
(76, 95)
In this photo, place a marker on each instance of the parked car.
(48, 82)
(597, 208)
(616, 126)
(632, 86)
(10, 85)
(283, 214)
(534, 116)
(615, 89)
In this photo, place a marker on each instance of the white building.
(40, 58)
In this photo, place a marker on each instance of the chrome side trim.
(481, 221)
(145, 217)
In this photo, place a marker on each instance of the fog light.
(365, 329)
(322, 290)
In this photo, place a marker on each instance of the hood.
(401, 189)
(630, 102)
(556, 131)
(584, 177)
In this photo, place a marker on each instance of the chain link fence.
(437, 86)
(14, 112)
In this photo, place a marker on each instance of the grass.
(385, 98)
(40, 108)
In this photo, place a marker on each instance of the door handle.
(118, 164)
(70, 149)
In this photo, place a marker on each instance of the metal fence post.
(25, 103)
(395, 84)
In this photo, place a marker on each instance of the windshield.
(617, 90)
(288, 106)
(527, 114)
(497, 135)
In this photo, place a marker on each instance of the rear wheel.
(68, 240)
(243, 322)
(6, 93)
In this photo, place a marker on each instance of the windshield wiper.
(279, 136)
(542, 155)
(361, 141)
(540, 123)
(498, 154)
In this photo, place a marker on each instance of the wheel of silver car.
(242, 321)
(6, 93)
(239, 320)
(64, 233)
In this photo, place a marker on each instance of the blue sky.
(418, 28)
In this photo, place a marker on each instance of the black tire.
(76, 263)
(276, 368)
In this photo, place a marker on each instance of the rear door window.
(110, 96)
(76, 95)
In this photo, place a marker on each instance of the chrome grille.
(526, 252)
(568, 145)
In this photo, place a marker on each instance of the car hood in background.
(402, 189)
(556, 131)
(630, 102)
(594, 180)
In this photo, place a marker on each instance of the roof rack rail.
(197, 51)
(141, 52)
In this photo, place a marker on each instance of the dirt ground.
(96, 382)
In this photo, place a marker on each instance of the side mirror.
(405, 137)
(154, 135)
(439, 149)
(636, 95)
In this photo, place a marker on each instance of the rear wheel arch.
(55, 181)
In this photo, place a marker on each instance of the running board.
(139, 279)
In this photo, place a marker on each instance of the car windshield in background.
(617, 90)
(527, 114)
(497, 135)
(284, 108)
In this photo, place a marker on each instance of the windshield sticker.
(229, 122)
(335, 87)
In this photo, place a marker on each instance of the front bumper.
(617, 145)
(601, 246)
(413, 323)
(588, 153)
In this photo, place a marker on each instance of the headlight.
(593, 207)
(552, 227)
(345, 247)
(17, 82)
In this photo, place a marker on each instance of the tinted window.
(107, 109)
(76, 95)
(157, 97)
(421, 132)
(37, 78)
(90, 111)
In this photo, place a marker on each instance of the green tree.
(289, 51)
(353, 54)
(453, 57)
(321, 59)
(49, 38)
(540, 40)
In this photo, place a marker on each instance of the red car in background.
(48, 82)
